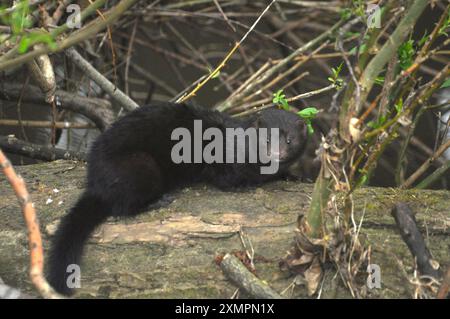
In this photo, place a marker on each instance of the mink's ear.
(303, 126)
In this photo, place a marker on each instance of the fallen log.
(171, 252)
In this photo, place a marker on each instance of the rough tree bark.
(170, 253)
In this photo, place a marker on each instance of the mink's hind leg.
(230, 178)
(136, 183)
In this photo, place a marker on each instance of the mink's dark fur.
(130, 167)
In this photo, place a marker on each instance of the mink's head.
(292, 133)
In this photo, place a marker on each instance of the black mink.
(130, 167)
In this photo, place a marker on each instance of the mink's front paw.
(163, 202)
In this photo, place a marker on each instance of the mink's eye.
(288, 141)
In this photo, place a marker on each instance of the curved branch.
(95, 109)
(245, 280)
(377, 64)
(34, 235)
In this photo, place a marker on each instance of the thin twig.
(225, 60)
(34, 235)
(46, 153)
(422, 169)
(46, 124)
(124, 100)
(261, 104)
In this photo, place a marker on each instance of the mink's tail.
(70, 238)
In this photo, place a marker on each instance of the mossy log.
(171, 252)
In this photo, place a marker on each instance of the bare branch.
(46, 153)
(120, 97)
(34, 235)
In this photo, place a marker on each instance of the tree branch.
(377, 64)
(34, 235)
(126, 102)
(95, 109)
(85, 33)
(46, 153)
(245, 280)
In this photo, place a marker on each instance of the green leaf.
(31, 39)
(379, 80)
(19, 19)
(399, 105)
(279, 98)
(377, 123)
(371, 124)
(350, 34)
(363, 180)
(308, 113)
(445, 25)
(423, 39)
(406, 53)
(338, 82)
(446, 84)
(362, 49)
(337, 70)
(345, 13)
(358, 8)
(215, 74)
(364, 177)
(24, 44)
(309, 127)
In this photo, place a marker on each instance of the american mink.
(130, 167)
